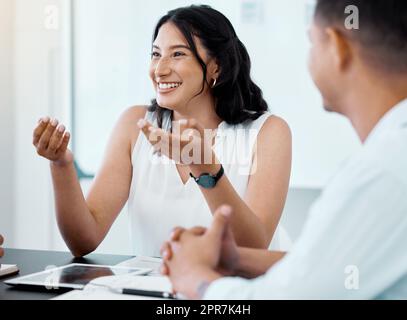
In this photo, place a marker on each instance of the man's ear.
(340, 47)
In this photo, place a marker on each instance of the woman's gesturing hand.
(187, 144)
(51, 141)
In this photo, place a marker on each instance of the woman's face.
(175, 72)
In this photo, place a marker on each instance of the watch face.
(207, 182)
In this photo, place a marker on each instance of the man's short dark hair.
(382, 29)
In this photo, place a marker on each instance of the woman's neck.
(203, 112)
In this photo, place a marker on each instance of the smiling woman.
(201, 74)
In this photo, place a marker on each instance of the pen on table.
(147, 293)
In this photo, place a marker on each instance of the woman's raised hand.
(51, 141)
(188, 144)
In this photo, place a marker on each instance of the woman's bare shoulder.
(134, 113)
(276, 127)
(128, 121)
(126, 128)
(129, 117)
(275, 135)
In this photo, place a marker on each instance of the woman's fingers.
(164, 270)
(56, 139)
(198, 231)
(158, 138)
(176, 233)
(39, 130)
(51, 139)
(46, 136)
(64, 144)
(173, 144)
(144, 126)
(166, 251)
(153, 135)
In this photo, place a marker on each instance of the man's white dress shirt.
(354, 244)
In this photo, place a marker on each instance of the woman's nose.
(162, 68)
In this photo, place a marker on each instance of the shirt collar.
(394, 119)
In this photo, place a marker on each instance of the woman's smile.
(167, 87)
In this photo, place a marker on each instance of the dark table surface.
(31, 261)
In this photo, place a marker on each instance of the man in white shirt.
(353, 245)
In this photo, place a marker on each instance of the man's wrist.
(204, 278)
(239, 268)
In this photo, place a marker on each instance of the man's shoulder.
(388, 156)
(375, 166)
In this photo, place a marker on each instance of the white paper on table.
(144, 262)
(98, 289)
(99, 294)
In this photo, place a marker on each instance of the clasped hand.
(199, 255)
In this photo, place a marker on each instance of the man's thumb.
(220, 223)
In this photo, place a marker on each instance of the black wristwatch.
(208, 181)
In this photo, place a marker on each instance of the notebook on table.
(8, 270)
(72, 276)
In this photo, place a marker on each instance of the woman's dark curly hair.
(237, 97)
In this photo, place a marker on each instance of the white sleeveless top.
(159, 201)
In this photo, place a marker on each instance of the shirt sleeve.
(352, 247)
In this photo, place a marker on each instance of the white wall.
(39, 77)
(7, 127)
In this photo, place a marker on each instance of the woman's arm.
(256, 217)
(253, 263)
(85, 222)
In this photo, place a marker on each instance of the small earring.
(214, 83)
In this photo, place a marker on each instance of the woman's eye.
(155, 55)
(179, 54)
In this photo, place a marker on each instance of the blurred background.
(85, 61)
